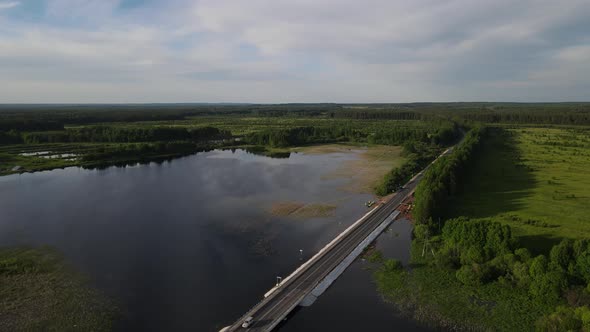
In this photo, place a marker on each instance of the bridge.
(313, 277)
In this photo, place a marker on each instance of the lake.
(191, 244)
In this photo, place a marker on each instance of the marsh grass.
(301, 210)
(38, 292)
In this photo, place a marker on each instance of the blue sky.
(270, 51)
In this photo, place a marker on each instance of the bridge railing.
(303, 267)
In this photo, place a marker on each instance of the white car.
(247, 322)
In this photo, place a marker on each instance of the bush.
(375, 256)
(467, 276)
(563, 319)
(421, 231)
(523, 254)
(502, 265)
(561, 255)
(463, 234)
(474, 274)
(546, 288)
(391, 265)
(472, 255)
(538, 266)
(520, 274)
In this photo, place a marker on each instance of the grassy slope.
(537, 181)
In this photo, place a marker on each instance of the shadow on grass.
(416, 265)
(538, 244)
(498, 181)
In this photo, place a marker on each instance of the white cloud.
(8, 4)
(304, 50)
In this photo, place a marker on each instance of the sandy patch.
(302, 210)
(367, 170)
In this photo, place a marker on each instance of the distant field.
(537, 180)
(38, 156)
(242, 125)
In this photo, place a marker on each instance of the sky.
(278, 51)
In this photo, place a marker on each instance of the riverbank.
(16, 159)
(38, 292)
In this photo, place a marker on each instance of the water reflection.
(186, 244)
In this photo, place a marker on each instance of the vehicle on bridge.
(246, 324)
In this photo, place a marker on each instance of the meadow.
(536, 180)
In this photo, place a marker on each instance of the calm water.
(189, 244)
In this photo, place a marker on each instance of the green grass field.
(537, 180)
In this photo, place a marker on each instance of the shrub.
(547, 287)
(472, 255)
(561, 255)
(474, 274)
(538, 266)
(421, 231)
(391, 265)
(563, 319)
(523, 254)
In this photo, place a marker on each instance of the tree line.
(418, 155)
(567, 117)
(124, 135)
(56, 117)
(441, 181)
(389, 114)
(440, 133)
(140, 151)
